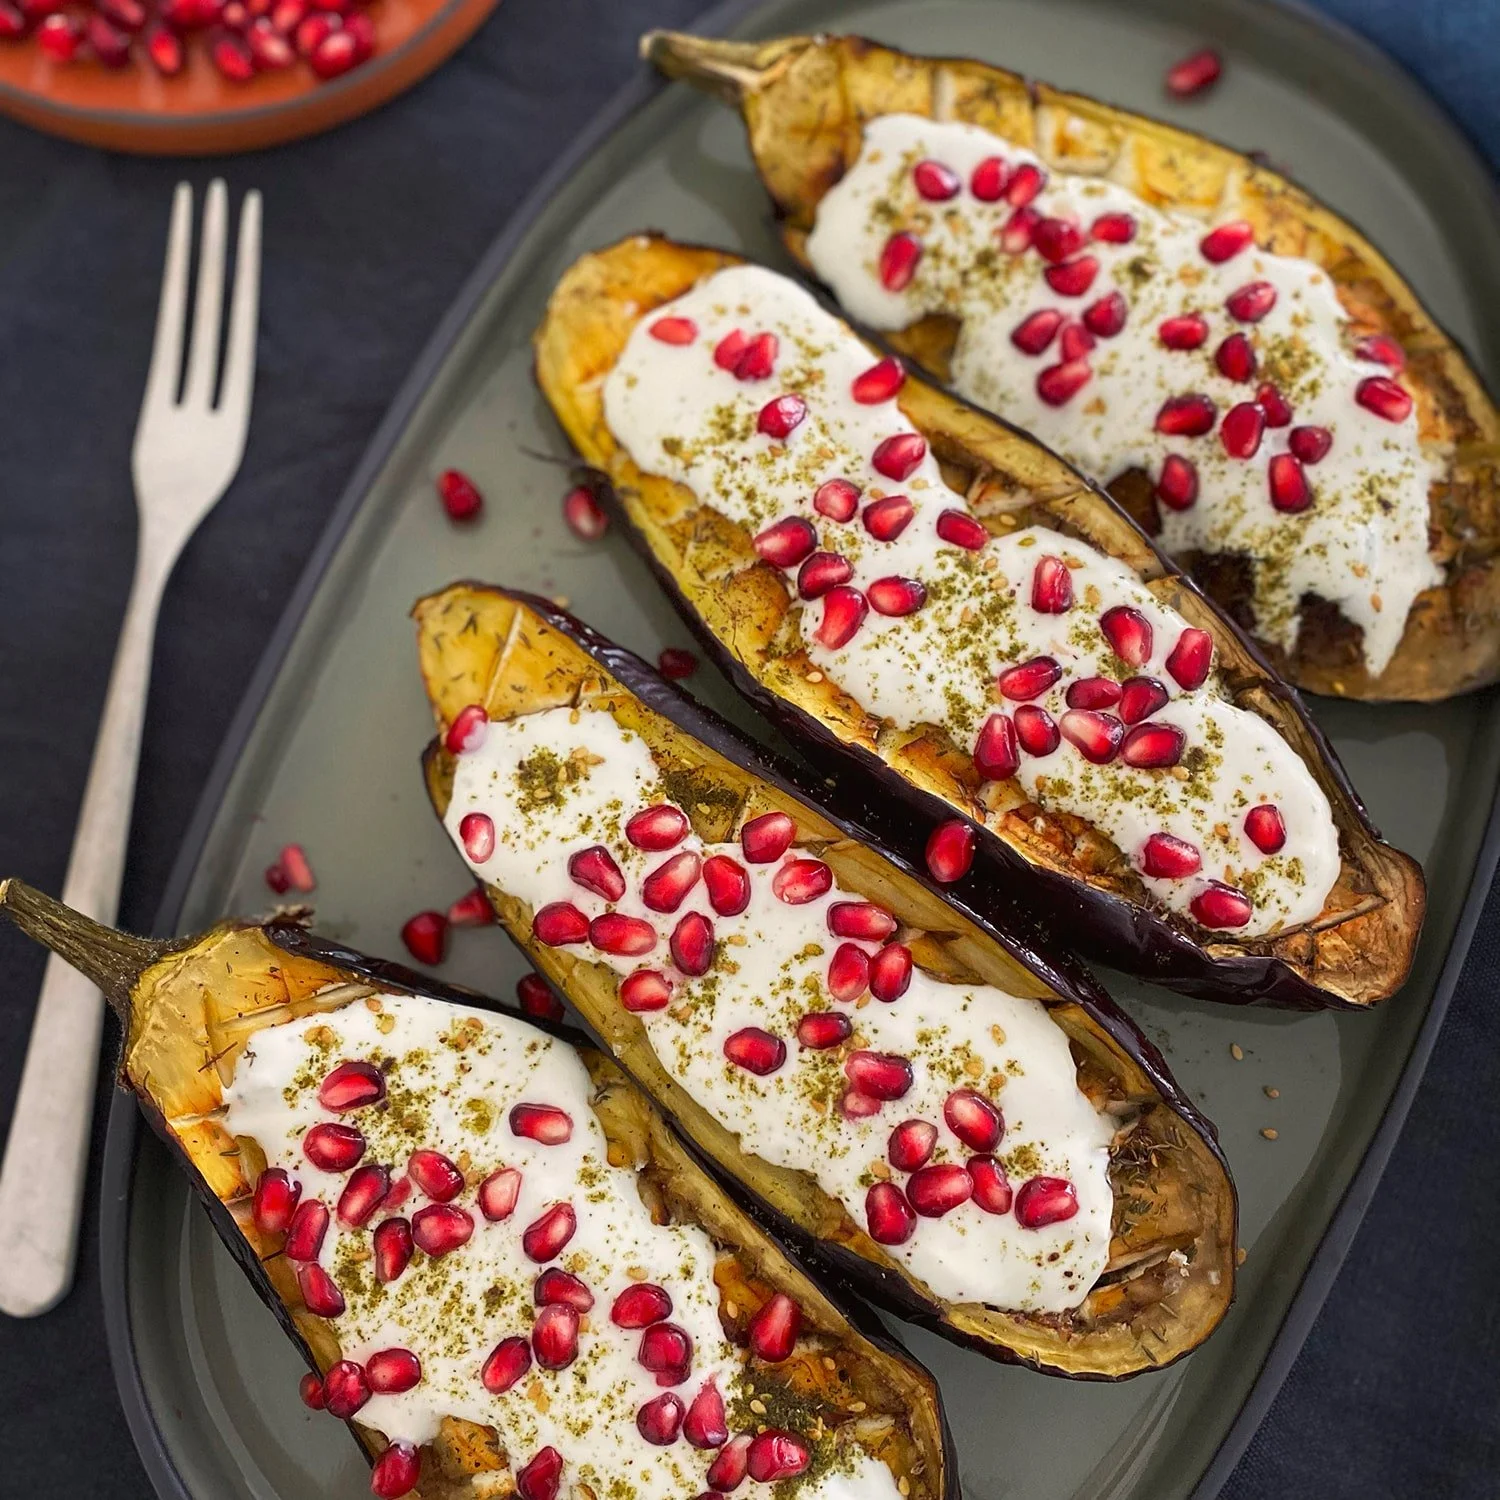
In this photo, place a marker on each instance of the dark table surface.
(1397, 1392)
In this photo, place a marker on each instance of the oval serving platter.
(208, 1389)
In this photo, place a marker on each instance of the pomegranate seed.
(1186, 416)
(544, 1238)
(286, 15)
(1025, 183)
(881, 1075)
(352, 1085)
(1290, 491)
(472, 909)
(950, 851)
(1045, 1200)
(459, 494)
(879, 383)
(334, 1148)
(898, 261)
(435, 1175)
(667, 1351)
(345, 1389)
(396, 1471)
(848, 972)
(399, 1193)
(362, 1194)
(656, 828)
(1096, 736)
(1129, 634)
(1151, 747)
(545, 1124)
(666, 887)
(991, 1186)
(1192, 76)
(507, 1362)
(959, 529)
(1037, 330)
(1226, 241)
(675, 663)
(1381, 349)
(640, 1306)
(1073, 277)
(274, 1200)
(559, 924)
(59, 36)
(440, 1228)
(844, 611)
(896, 597)
(692, 944)
(1076, 342)
(888, 1216)
(391, 1371)
(705, 1425)
(310, 1388)
(554, 1336)
(623, 937)
(757, 361)
(645, 990)
(468, 729)
(775, 1455)
(111, 46)
(540, 1479)
(338, 52)
(1381, 395)
(498, 1193)
(1273, 403)
(774, 1329)
(426, 937)
(1218, 905)
(1114, 228)
(231, 55)
(728, 1470)
(727, 884)
(164, 48)
(824, 1029)
(837, 499)
(1051, 587)
(1235, 358)
(1166, 857)
(1036, 730)
(890, 972)
(799, 881)
(1191, 658)
(911, 1144)
(767, 838)
(787, 543)
(1093, 692)
(1056, 239)
(886, 519)
(988, 179)
(276, 878)
(729, 350)
(1029, 680)
(319, 1292)
(755, 1050)
(304, 1236)
(1241, 430)
(584, 516)
(974, 1120)
(1187, 331)
(1265, 828)
(857, 1106)
(996, 754)
(781, 417)
(672, 330)
(659, 1421)
(936, 182)
(1309, 444)
(477, 831)
(860, 919)
(392, 1246)
(1106, 317)
(595, 870)
(938, 1189)
(821, 572)
(1058, 384)
(1251, 302)
(1140, 697)
(1015, 233)
(898, 457)
(313, 31)
(1177, 487)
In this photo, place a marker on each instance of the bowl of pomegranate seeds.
(189, 77)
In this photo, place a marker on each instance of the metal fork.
(186, 452)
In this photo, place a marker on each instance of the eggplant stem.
(730, 70)
(114, 960)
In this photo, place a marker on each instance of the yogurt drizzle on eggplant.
(450, 1082)
(1115, 714)
(559, 782)
(1085, 313)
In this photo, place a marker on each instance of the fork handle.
(46, 1152)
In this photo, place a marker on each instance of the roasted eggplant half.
(928, 1107)
(502, 1267)
(1259, 385)
(934, 604)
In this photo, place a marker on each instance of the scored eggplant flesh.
(1168, 1273)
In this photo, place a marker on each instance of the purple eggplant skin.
(1015, 929)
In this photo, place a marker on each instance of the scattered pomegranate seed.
(1218, 905)
(1051, 587)
(544, 1238)
(321, 1296)
(276, 878)
(896, 597)
(667, 1351)
(899, 456)
(460, 495)
(881, 1075)
(540, 1479)
(837, 499)
(1106, 317)
(584, 515)
(1096, 736)
(730, 348)
(659, 1420)
(392, 1248)
(781, 417)
(1026, 181)
(886, 519)
(848, 972)
(821, 572)
(692, 944)
(959, 529)
(336, 53)
(1114, 228)
(857, 1106)
(366, 1187)
(974, 1120)
(1177, 485)
(111, 45)
(397, 1471)
(1381, 349)
(334, 1148)
(766, 838)
(595, 870)
(879, 383)
(1140, 697)
(799, 881)
(1241, 429)
(391, 1371)
(310, 33)
(705, 1425)
(1072, 278)
(656, 828)
(472, 909)
(1058, 384)
(1186, 331)
(435, 1175)
(640, 1306)
(1151, 747)
(164, 48)
(992, 1190)
(729, 1468)
(507, 1362)
(274, 1200)
(988, 179)
(400, 1191)
(468, 730)
(996, 753)
(1226, 241)
(440, 1228)
(1251, 302)
(1036, 730)
(860, 919)
(1186, 416)
(1015, 233)
(1093, 692)
(544, 1123)
(352, 1085)
(1381, 395)
(310, 1388)
(59, 36)
(1273, 403)
(1235, 358)
(1193, 75)
(1165, 857)
(1055, 239)
(645, 990)
(1045, 1200)
(304, 1239)
(231, 56)
(758, 359)
(888, 1215)
(1309, 444)
(755, 1050)
(1029, 680)
(1129, 634)
(787, 543)
(675, 663)
(498, 1194)
(890, 972)
(672, 330)
(667, 886)
(950, 850)
(936, 182)
(774, 1329)
(727, 884)
(938, 1189)
(911, 1144)
(559, 924)
(898, 261)
(426, 937)
(1191, 658)
(476, 830)
(1037, 330)
(345, 1389)
(1075, 343)
(1265, 828)
(554, 1336)
(824, 1029)
(1290, 491)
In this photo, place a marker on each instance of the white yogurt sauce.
(769, 971)
(1362, 544)
(452, 1079)
(678, 414)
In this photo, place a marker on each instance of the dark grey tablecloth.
(1397, 1392)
